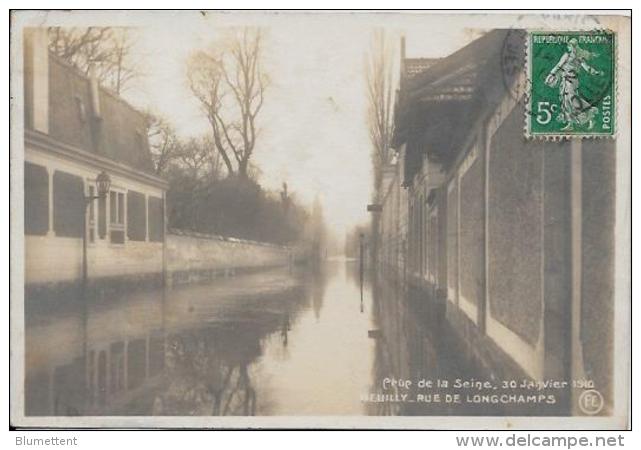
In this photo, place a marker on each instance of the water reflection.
(279, 342)
(416, 344)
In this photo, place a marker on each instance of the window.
(140, 143)
(116, 208)
(136, 216)
(121, 208)
(102, 378)
(82, 113)
(113, 208)
(117, 217)
(156, 354)
(102, 217)
(36, 199)
(117, 366)
(433, 241)
(68, 204)
(92, 215)
(91, 376)
(117, 236)
(452, 239)
(156, 219)
(136, 357)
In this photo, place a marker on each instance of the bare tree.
(380, 119)
(230, 84)
(163, 143)
(380, 103)
(194, 157)
(105, 50)
(214, 161)
(123, 69)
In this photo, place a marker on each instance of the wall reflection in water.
(415, 342)
(187, 351)
(279, 342)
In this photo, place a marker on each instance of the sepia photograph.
(320, 219)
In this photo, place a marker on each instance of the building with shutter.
(73, 130)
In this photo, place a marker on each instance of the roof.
(416, 66)
(436, 106)
(118, 132)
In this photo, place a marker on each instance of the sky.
(313, 129)
(313, 123)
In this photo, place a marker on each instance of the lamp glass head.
(103, 183)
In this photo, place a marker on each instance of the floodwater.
(290, 341)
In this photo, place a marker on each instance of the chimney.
(94, 89)
(95, 123)
(36, 43)
(402, 61)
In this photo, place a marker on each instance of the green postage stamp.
(573, 84)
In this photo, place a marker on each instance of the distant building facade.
(515, 236)
(74, 129)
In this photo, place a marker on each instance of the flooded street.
(296, 341)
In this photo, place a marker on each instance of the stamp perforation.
(529, 86)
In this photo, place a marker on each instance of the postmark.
(572, 88)
(513, 62)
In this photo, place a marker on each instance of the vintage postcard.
(348, 219)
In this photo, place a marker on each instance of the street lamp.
(361, 263)
(103, 183)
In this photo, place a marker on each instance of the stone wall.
(471, 230)
(193, 257)
(187, 257)
(596, 333)
(515, 247)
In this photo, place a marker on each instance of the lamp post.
(103, 183)
(361, 261)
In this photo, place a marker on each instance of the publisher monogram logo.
(591, 402)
